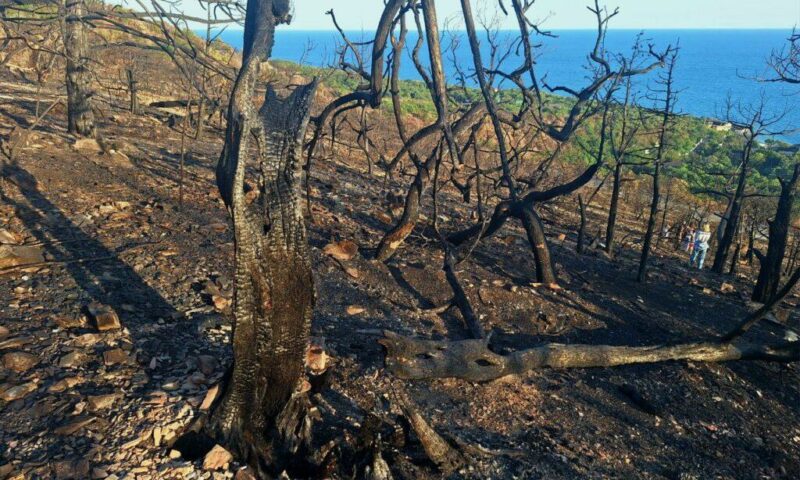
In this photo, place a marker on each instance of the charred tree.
(751, 242)
(521, 205)
(668, 94)
(130, 76)
(785, 63)
(641, 277)
(80, 118)
(754, 122)
(580, 247)
(262, 413)
(735, 208)
(664, 230)
(624, 129)
(613, 208)
(769, 275)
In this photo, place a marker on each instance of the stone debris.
(115, 356)
(208, 400)
(15, 342)
(217, 458)
(355, 309)
(105, 318)
(344, 250)
(19, 361)
(207, 364)
(73, 469)
(221, 303)
(10, 393)
(157, 436)
(73, 359)
(66, 322)
(65, 384)
(86, 340)
(245, 473)
(87, 145)
(353, 272)
(102, 402)
(74, 426)
(9, 238)
(16, 255)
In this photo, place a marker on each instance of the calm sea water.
(712, 63)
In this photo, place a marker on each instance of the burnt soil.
(113, 232)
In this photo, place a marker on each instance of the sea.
(713, 65)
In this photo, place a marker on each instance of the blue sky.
(560, 14)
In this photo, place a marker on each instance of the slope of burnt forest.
(110, 240)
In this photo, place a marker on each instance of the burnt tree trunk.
(262, 413)
(666, 115)
(769, 275)
(735, 263)
(651, 225)
(793, 256)
(534, 229)
(80, 118)
(579, 247)
(133, 91)
(751, 243)
(613, 208)
(721, 255)
(661, 231)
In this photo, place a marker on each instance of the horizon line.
(570, 29)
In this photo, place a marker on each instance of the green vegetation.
(703, 157)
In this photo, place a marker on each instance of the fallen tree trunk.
(417, 359)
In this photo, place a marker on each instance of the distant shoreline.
(713, 62)
(238, 28)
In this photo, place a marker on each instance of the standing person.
(687, 240)
(701, 239)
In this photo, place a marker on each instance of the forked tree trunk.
(80, 118)
(261, 415)
(769, 276)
